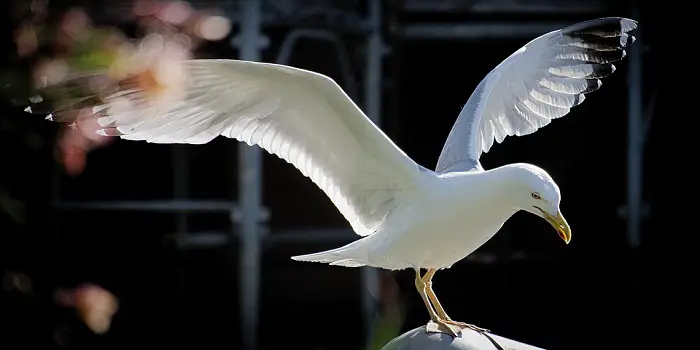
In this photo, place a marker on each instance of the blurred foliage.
(61, 60)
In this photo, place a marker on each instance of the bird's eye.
(536, 195)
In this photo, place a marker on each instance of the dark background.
(553, 296)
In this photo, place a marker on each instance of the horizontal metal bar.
(166, 206)
(475, 31)
(151, 205)
(311, 235)
(200, 240)
(492, 7)
(504, 6)
(214, 239)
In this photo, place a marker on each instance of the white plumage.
(409, 217)
(303, 117)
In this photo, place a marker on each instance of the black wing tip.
(605, 26)
(627, 40)
(592, 84)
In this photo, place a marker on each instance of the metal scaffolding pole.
(180, 183)
(635, 140)
(479, 31)
(249, 185)
(372, 103)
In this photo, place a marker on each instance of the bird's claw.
(441, 326)
(463, 325)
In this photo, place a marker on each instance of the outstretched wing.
(303, 117)
(539, 82)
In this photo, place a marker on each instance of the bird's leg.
(421, 287)
(427, 280)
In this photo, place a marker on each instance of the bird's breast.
(436, 234)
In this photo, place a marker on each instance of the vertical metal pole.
(56, 200)
(372, 103)
(180, 189)
(635, 140)
(180, 183)
(250, 190)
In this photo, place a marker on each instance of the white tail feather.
(344, 256)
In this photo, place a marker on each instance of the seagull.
(408, 217)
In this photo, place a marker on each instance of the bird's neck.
(493, 188)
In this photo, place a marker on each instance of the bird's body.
(435, 229)
(408, 216)
(443, 230)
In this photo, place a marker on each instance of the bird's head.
(537, 193)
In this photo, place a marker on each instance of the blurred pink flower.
(26, 39)
(76, 140)
(95, 305)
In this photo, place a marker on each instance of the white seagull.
(409, 217)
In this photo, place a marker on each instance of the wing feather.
(302, 117)
(540, 82)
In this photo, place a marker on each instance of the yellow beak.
(559, 224)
